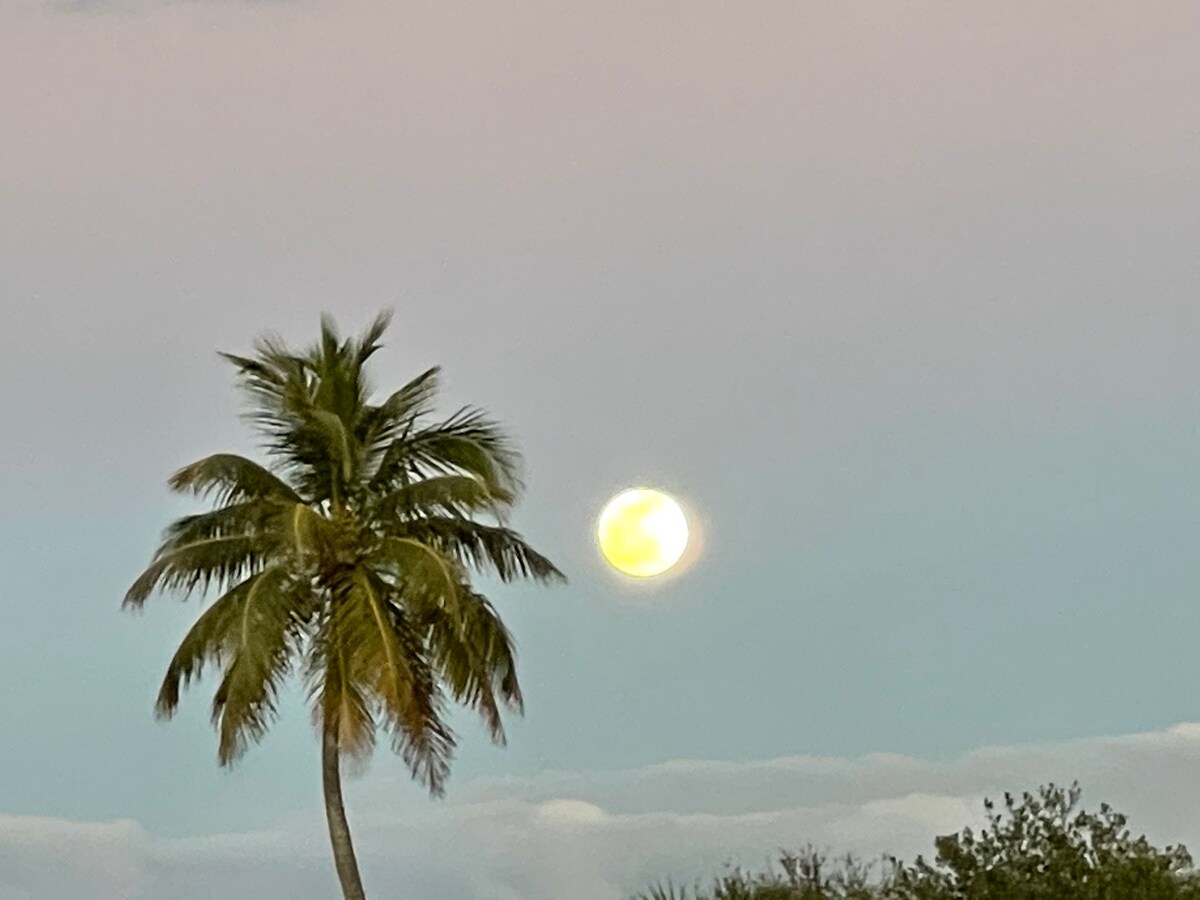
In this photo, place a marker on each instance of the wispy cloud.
(597, 836)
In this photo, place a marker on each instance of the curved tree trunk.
(335, 814)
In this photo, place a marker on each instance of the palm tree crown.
(348, 559)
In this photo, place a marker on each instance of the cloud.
(44, 858)
(599, 836)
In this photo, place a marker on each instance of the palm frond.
(277, 384)
(268, 380)
(468, 442)
(233, 478)
(341, 385)
(474, 654)
(485, 548)
(413, 400)
(381, 425)
(371, 339)
(388, 657)
(206, 643)
(256, 645)
(423, 574)
(339, 444)
(248, 518)
(429, 751)
(450, 495)
(309, 534)
(339, 701)
(198, 564)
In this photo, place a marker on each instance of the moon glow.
(642, 532)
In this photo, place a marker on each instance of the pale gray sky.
(899, 297)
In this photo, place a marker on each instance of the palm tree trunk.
(335, 814)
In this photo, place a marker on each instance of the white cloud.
(600, 836)
(44, 858)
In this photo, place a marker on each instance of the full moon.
(642, 532)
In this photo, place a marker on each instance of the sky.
(898, 298)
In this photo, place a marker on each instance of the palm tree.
(348, 560)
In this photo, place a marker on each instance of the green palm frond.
(270, 381)
(232, 621)
(452, 495)
(468, 442)
(423, 575)
(381, 425)
(281, 389)
(427, 751)
(388, 657)
(341, 385)
(371, 340)
(232, 478)
(205, 644)
(340, 703)
(339, 445)
(256, 649)
(413, 400)
(185, 567)
(246, 518)
(474, 654)
(485, 548)
(309, 534)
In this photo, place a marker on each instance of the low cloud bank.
(598, 836)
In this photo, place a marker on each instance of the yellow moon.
(642, 532)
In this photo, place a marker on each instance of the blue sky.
(901, 300)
